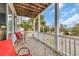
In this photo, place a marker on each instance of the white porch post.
(38, 25)
(7, 21)
(34, 26)
(56, 24)
(13, 25)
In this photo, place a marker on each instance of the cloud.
(61, 5)
(47, 23)
(77, 4)
(66, 13)
(71, 20)
(61, 21)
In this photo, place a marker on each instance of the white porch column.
(13, 25)
(7, 21)
(56, 24)
(38, 26)
(39, 23)
(34, 26)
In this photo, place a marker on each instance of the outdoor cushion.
(7, 48)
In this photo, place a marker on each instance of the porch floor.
(36, 47)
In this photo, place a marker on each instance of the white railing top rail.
(69, 37)
(62, 36)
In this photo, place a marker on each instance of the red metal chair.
(29, 54)
(7, 49)
(19, 37)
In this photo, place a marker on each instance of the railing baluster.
(43, 36)
(65, 46)
(74, 48)
(62, 44)
(59, 43)
(69, 46)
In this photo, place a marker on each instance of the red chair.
(7, 49)
(19, 36)
(29, 54)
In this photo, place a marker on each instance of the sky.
(69, 14)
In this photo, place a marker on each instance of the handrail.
(64, 36)
(70, 37)
(63, 40)
(56, 51)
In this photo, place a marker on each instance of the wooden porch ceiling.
(30, 9)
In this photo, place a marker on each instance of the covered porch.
(43, 44)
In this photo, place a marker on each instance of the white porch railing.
(68, 45)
